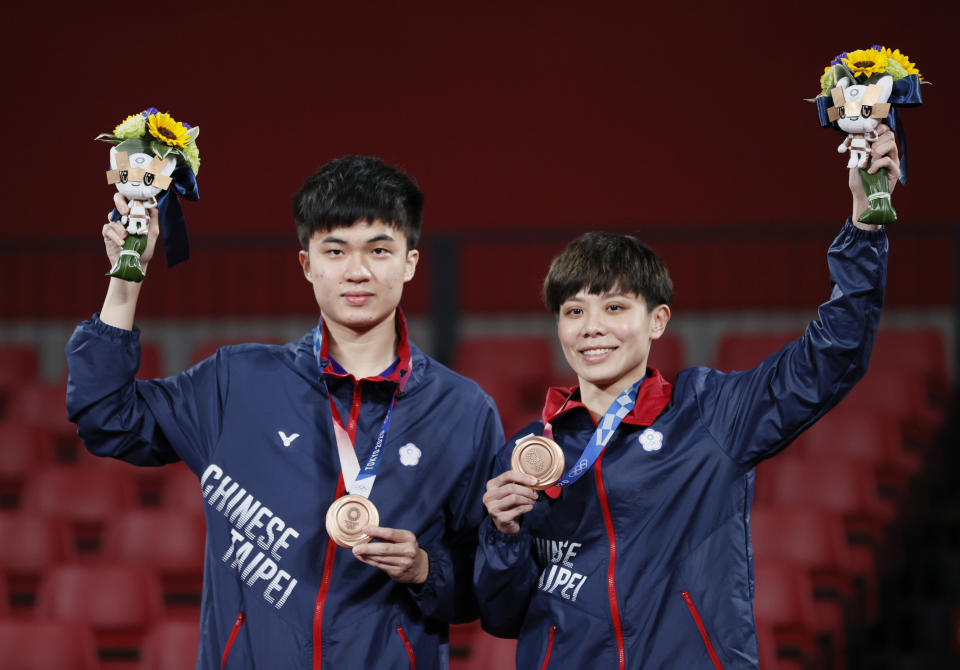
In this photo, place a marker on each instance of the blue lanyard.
(369, 470)
(607, 426)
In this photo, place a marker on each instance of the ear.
(886, 88)
(304, 258)
(169, 165)
(411, 265)
(659, 318)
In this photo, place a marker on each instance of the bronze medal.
(538, 456)
(346, 518)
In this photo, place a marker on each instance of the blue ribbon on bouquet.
(906, 93)
(173, 225)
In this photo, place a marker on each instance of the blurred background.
(525, 124)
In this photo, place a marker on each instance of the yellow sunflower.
(865, 62)
(904, 62)
(167, 130)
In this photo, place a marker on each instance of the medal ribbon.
(357, 481)
(606, 427)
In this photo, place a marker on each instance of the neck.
(363, 353)
(599, 397)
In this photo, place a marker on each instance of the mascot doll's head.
(139, 176)
(860, 108)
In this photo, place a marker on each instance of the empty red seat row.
(66, 645)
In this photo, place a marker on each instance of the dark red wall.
(512, 116)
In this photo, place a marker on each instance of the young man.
(270, 431)
(642, 559)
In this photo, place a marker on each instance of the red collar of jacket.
(398, 373)
(654, 394)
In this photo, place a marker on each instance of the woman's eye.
(614, 308)
(574, 311)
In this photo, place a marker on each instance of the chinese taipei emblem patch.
(651, 440)
(410, 454)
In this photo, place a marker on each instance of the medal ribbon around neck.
(357, 481)
(606, 427)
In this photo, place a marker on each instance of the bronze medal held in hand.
(540, 457)
(346, 518)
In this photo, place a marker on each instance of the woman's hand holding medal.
(509, 496)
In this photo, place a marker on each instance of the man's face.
(358, 272)
(606, 338)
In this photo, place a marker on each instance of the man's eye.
(574, 311)
(380, 251)
(614, 308)
(334, 252)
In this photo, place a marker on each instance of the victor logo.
(287, 441)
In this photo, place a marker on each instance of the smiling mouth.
(598, 351)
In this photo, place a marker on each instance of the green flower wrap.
(880, 210)
(128, 265)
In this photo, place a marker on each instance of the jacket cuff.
(112, 332)
(505, 549)
(425, 595)
(851, 232)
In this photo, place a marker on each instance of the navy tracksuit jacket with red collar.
(253, 422)
(646, 560)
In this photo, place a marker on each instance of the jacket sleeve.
(448, 592)
(756, 413)
(505, 574)
(142, 422)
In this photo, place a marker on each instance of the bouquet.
(151, 152)
(866, 86)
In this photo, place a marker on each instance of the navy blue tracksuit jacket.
(646, 561)
(277, 592)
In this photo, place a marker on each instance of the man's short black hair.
(358, 188)
(602, 262)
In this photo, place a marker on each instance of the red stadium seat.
(869, 437)
(515, 370)
(668, 356)
(473, 649)
(919, 351)
(171, 542)
(121, 603)
(815, 541)
(47, 645)
(39, 404)
(5, 604)
(846, 489)
(18, 365)
(743, 351)
(181, 489)
(23, 449)
(783, 603)
(151, 361)
(171, 645)
(31, 544)
(85, 497)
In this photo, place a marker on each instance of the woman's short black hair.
(358, 188)
(602, 262)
